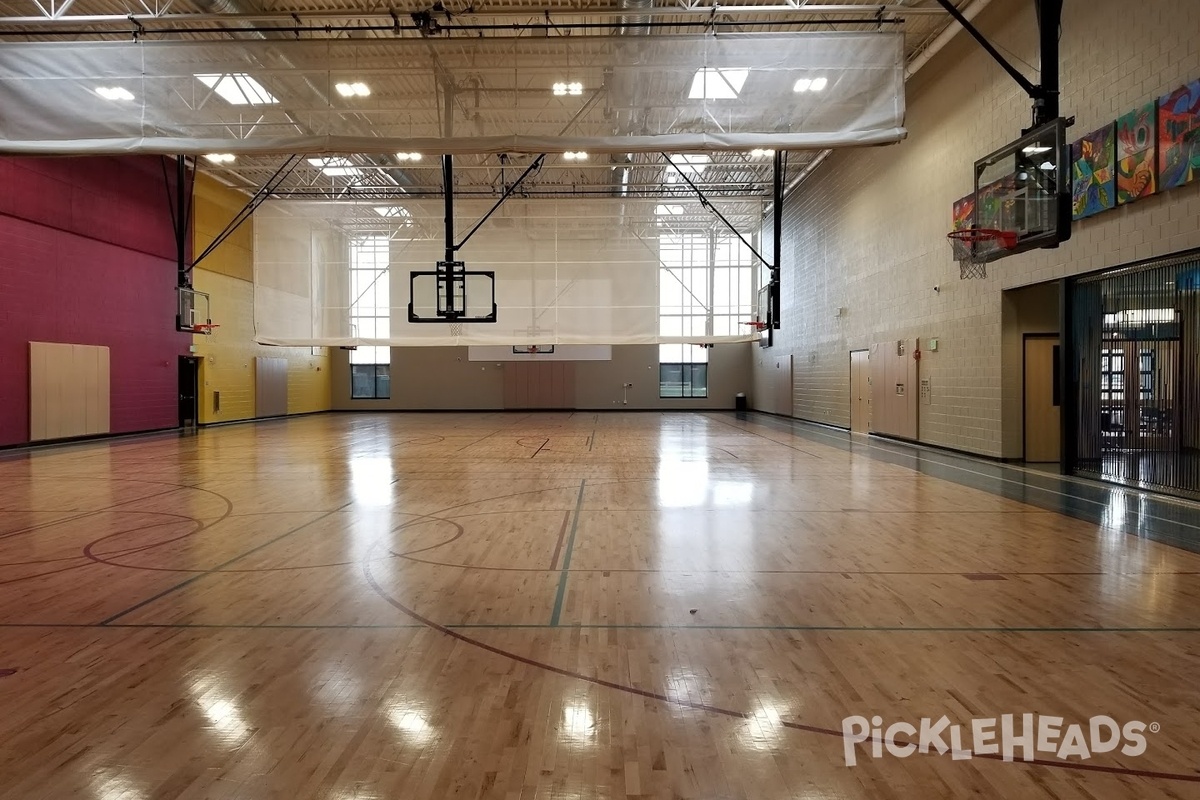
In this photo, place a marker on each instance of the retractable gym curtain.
(617, 94)
(572, 271)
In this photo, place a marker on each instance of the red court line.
(725, 712)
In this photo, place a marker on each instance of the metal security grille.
(1135, 344)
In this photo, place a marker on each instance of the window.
(370, 317)
(370, 381)
(682, 370)
(705, 290)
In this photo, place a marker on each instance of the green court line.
(113, 618)
(566, 564)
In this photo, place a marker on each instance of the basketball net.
(972, 246)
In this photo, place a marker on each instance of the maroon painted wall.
(87, 256)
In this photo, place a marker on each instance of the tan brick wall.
(867, 231)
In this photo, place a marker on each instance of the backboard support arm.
(704, 201)
(533, 167)
(1044, 94)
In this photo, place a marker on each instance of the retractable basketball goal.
(1021, 201)
(974, 247)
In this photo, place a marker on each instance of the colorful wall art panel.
(1135, 154)
(1179, 136)
(1093, 173)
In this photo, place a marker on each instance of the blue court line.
(556, 615)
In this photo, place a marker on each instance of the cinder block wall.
(867, 230)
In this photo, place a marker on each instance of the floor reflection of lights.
(113, 785)
(371, 480)
(578, 723)
(356, 793)
(686, 686)
(412, 723)
(763, 729)
(223, 714)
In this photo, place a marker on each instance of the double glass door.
(1137, 409)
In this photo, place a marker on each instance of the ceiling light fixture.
(571, 155)
(408, 156)
(716, 83)
(810, 85)
(220, 158)
(758, 152)
(691, 164)
(336, 167)
(114, 93)
(561, 88)
(238, 89)
(353, 89)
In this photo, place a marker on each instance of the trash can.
(739, 401)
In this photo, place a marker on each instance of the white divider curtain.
(623, 94)
(572, 271)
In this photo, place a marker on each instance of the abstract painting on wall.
(1135, 153)
(1093, 173)
(1179, 136)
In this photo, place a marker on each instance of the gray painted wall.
(430, 378)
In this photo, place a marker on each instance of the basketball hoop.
(204, 328)
(973, 246)
(532, 349)
(757, 324)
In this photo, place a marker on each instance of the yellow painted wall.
(227, 364)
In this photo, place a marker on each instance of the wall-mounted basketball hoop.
(192, 311)
(974, 247)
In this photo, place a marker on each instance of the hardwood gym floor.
(509, 606)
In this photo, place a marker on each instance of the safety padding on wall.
(270, 386)
(68, 390)
(894, 388)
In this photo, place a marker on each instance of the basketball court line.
(1064, 509)
(637, 691)
(566, 565)
(109, 620)
(925, 451)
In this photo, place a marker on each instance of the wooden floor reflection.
(562, 606)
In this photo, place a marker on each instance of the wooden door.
(1042, 418)
(860, 392)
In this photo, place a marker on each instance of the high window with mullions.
(370, 317)
(706, 290)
